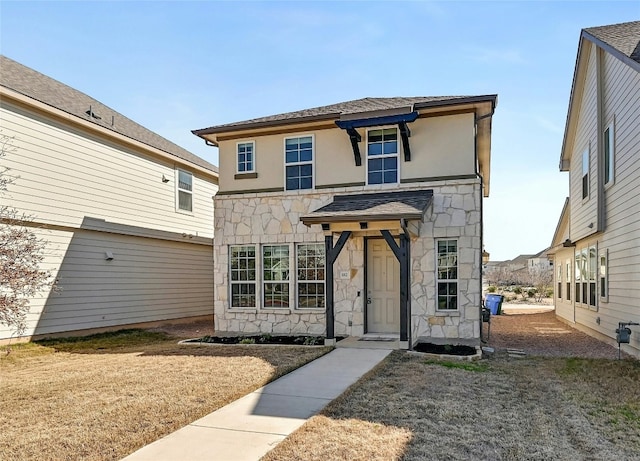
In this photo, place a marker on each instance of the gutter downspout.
(479, 176)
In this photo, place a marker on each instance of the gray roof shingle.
(334, 111)
(39, 87)
(372, 207)
(624, 37)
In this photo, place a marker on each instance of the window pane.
(375, 149)
(184, 180)
(374, 177)
(291, 157)
(184, 201)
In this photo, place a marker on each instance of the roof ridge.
(54, 93)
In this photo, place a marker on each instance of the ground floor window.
(586, 262)
(559, 280)
(275, 272)
(242, 269)
(604, 281)
(310, 269)
(447, 274)
(568, 286)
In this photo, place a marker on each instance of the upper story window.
(585, 173)
(184, 185)
(246, 157)
(382, 156)
(609, 154)
(298, 157)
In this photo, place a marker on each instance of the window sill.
(451, 313)
(242, 310)
(252, 175)
(278, 310)
(309, 310)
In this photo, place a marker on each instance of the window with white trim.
(310, 269)
(275, 276)
(585, 173)
(559, 281)
(382, 156)
(578, 273)
(586, 276)
(593, 270)
(242, 275)
(447, 274)
(568, 281)
(184, 185)
(298, 158)
(609, 155)
(603, 275)
(246, 157)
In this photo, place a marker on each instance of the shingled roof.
(624, 38)
(334, 111)
(39, 87)
(381, 206)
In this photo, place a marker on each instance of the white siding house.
(362, 218)
(596, 247)
(127, 214)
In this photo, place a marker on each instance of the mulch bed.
(262, 339)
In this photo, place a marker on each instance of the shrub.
(247, 341)
(517, 290)
(531, 293)
(491, 289)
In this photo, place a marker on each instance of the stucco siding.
(66, 175)
(440, 147)
(147, 280)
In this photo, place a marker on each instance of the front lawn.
(103, 397)
(412, 408)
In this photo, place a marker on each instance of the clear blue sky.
(178, 66)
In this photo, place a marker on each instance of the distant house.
(362, 218)
(127, 214)
(540, 261)
(596, 246)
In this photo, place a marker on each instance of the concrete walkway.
(251, 426)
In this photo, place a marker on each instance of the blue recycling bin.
(494, 303)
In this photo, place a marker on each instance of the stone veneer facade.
(274, 217)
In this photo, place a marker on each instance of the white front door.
(383, 288)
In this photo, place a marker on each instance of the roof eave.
(204, 132)
(21, 99)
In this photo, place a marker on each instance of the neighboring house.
(127, 214)
(540, 261)
(358, 218)
(596, 246)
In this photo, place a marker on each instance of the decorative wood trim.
(267, 132)
(444, 113)
(437, 178)
(245, 176)
(252, 191)
(346, 184)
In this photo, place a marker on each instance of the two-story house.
(362, 218)
(596, 245)
(126, 214)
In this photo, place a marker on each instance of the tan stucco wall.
(440, 146)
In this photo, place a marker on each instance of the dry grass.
(105, 398)
(543, 407)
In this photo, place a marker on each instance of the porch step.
(370, 342)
